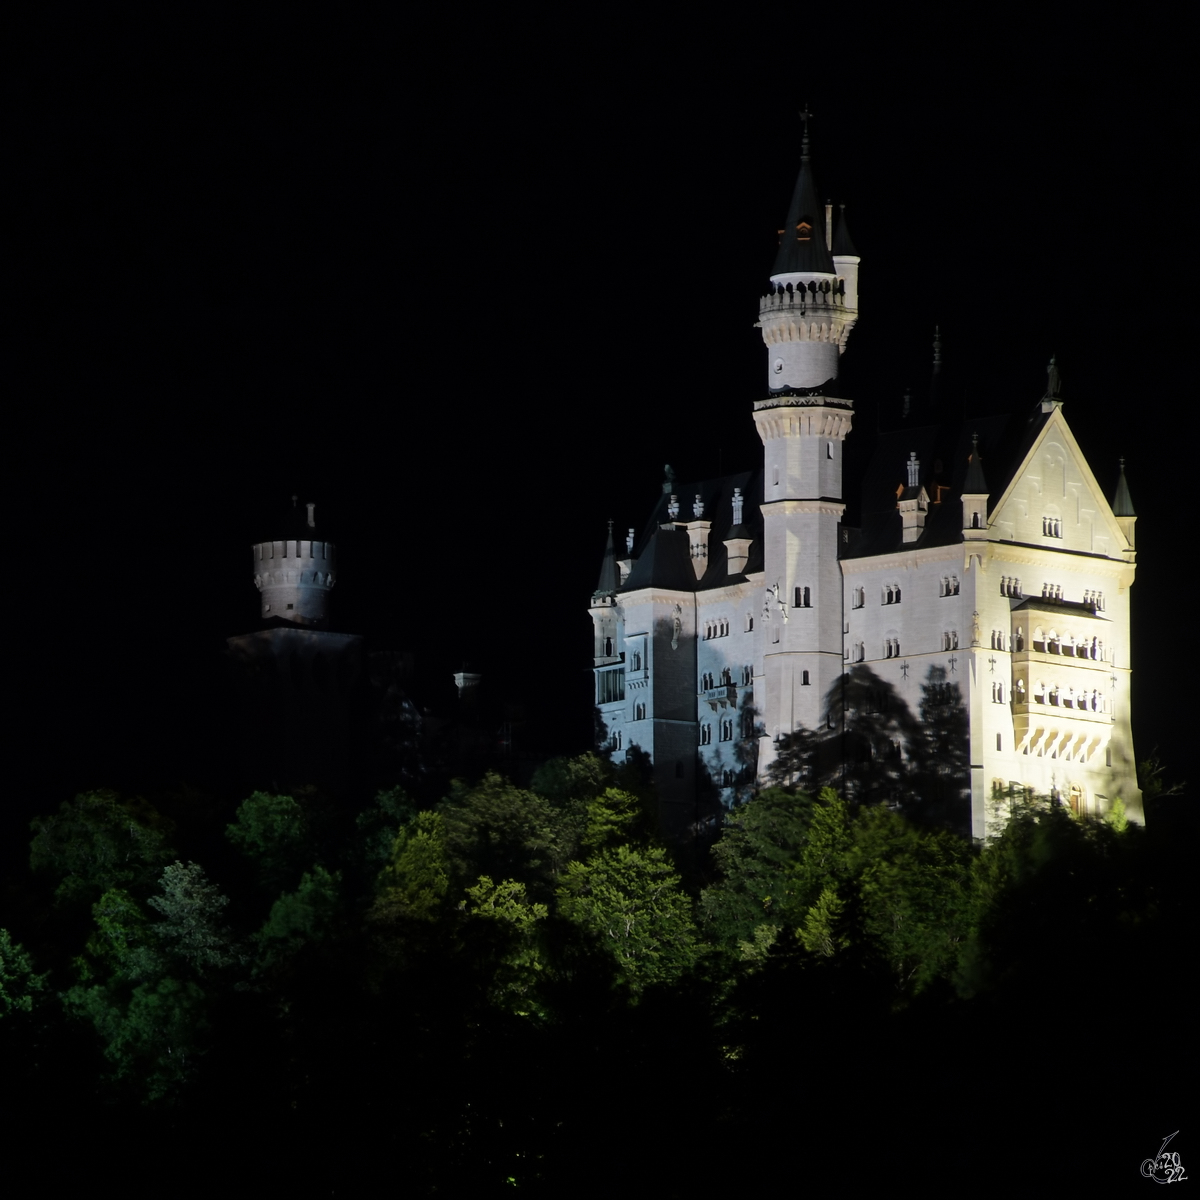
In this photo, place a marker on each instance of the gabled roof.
(802, 243)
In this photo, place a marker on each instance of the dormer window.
(804, 231)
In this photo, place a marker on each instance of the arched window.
(804, 679)
(608, 647)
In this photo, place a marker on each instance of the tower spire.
(802, 242)
(608, 568)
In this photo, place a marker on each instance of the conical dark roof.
(842, 241)
(974, 484)
(1122, 502)
(802, 243)
(608, 569)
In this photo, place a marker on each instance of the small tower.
(974, 497)
(298, 683)
(1122, 507)
(295, 575)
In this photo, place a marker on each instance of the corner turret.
(1122, 507)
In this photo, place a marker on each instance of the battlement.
(294, 577)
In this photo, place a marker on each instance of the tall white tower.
(805, 321)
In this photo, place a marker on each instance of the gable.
(1054, 501)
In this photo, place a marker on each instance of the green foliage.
(562, 780)
(190, 930)
(837, 877)
(275, 833)
(100, 841)
(612, 817)
(20, 986)
(632, 903)
(823, 929)
(123, 941)
(756, 855)
(520, 961)
(413, 885)
(504, 832)
(303, 917)
(378, 824)
(152, 1035)
(1117, 816)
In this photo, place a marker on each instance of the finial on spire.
(937, 349)
(805, 116)
(668, 479)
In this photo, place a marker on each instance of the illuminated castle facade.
(987, 563)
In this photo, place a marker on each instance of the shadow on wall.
(874, 749)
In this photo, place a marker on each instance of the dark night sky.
(468, 287)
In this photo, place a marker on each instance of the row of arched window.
(890, 594)
(950, 639)
(711, 679)
(802, 598)
(1057, 697)
(717, 628)
(1052, 643)
(949, 586)
(1051, 591)
(891, 648)
(1010, 587)
(1095, 599)
(1051, 527)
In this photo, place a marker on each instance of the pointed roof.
(974, 484)
(608, 569)
(1122, 505)
(842, 242)
(802, 243)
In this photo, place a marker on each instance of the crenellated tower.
(805, 321)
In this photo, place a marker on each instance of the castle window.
(706, 735)
(804, 679)
(608, 645)
(891, 593)
(1010, 587)
(749, 622)
(858, 597)
(1051, 527)
(891, 647)
(828, 449)
(746, 676)
(860, 653)
(999, 744)
(610, 686)
(639, 712)
(950, 640)
(775, 634)
(803, 598)
(747, 725)
(1051, 591)
(726, 731)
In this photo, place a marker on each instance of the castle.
(989, 572)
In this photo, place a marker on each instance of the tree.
(20, 986)
(190, 930)
(413, 885)
(303, 917)
(505, 832)
(99, 841)
(275, 833)
(756, 855)
(518, 962)
(632, 903)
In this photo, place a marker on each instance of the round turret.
(295, 575)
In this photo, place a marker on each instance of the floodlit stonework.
(989, 571)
